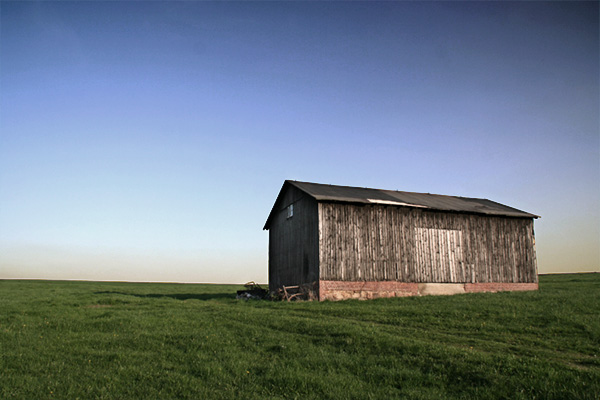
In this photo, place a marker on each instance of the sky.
(147, 141)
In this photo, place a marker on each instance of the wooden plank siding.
(390, 243)
(293, 242)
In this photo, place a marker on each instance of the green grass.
(69, 340)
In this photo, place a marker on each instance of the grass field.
(92, 340)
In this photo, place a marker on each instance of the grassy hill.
(68, 340)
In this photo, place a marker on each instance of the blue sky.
(148, 140)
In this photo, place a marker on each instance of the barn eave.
(356, 195)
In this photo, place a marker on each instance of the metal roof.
(348, 194)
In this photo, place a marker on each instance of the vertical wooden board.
(469, 250)
(480, 250)
(488, 239)
(495, 250)
(454, 256)
(463, 264)
(423, 253)
(416, 249)
(382, 239)
(373, 244)
(442, 234)
(350, 238)
(444, 250)
(438, 266)
(355, 247)
(517, 254)
(427, 254)
(431, 251)
(435, 253)
(420, 259)
(408, 248)
(419, 237)
(515, 270)
(322, 241)
(450, 256)
(500, 249)
(531, 231)
(395, 228)
(490, 252)
(483, 248)
(330, 242)
(396, 251)
(329, 246)
(362, 244)
(521, 248)
(348, 243)
(379, 239)
(520, 256)
(341, 249)
(509, 266)
(338, 250)
(459, 263)
(451, 243)
(334, 272)
(389, 243)
(522, 244)
(411, 247)
(358, 244)
(405, 245)
(349, 251)
(367, 244)
(527, 256)
(424, 244)
(402, 247)
(445, 253)
(507, 262)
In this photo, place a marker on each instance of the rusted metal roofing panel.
(348, 194)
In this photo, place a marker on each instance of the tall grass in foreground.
(69, 340)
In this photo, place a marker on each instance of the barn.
(339, 242)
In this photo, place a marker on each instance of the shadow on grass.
(178, 296)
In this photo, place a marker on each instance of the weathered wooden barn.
(342, 242)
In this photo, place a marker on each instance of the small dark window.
(290, 211)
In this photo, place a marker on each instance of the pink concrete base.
(340, 290)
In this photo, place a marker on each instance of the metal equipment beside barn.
(348, 242)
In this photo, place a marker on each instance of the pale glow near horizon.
(148, 140)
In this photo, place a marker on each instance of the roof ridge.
(388, 190)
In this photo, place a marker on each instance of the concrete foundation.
(340, 290)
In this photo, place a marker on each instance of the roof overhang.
(356, 195)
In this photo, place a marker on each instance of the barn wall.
(293, 242)
(386, 243)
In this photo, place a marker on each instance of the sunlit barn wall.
(387, 243)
